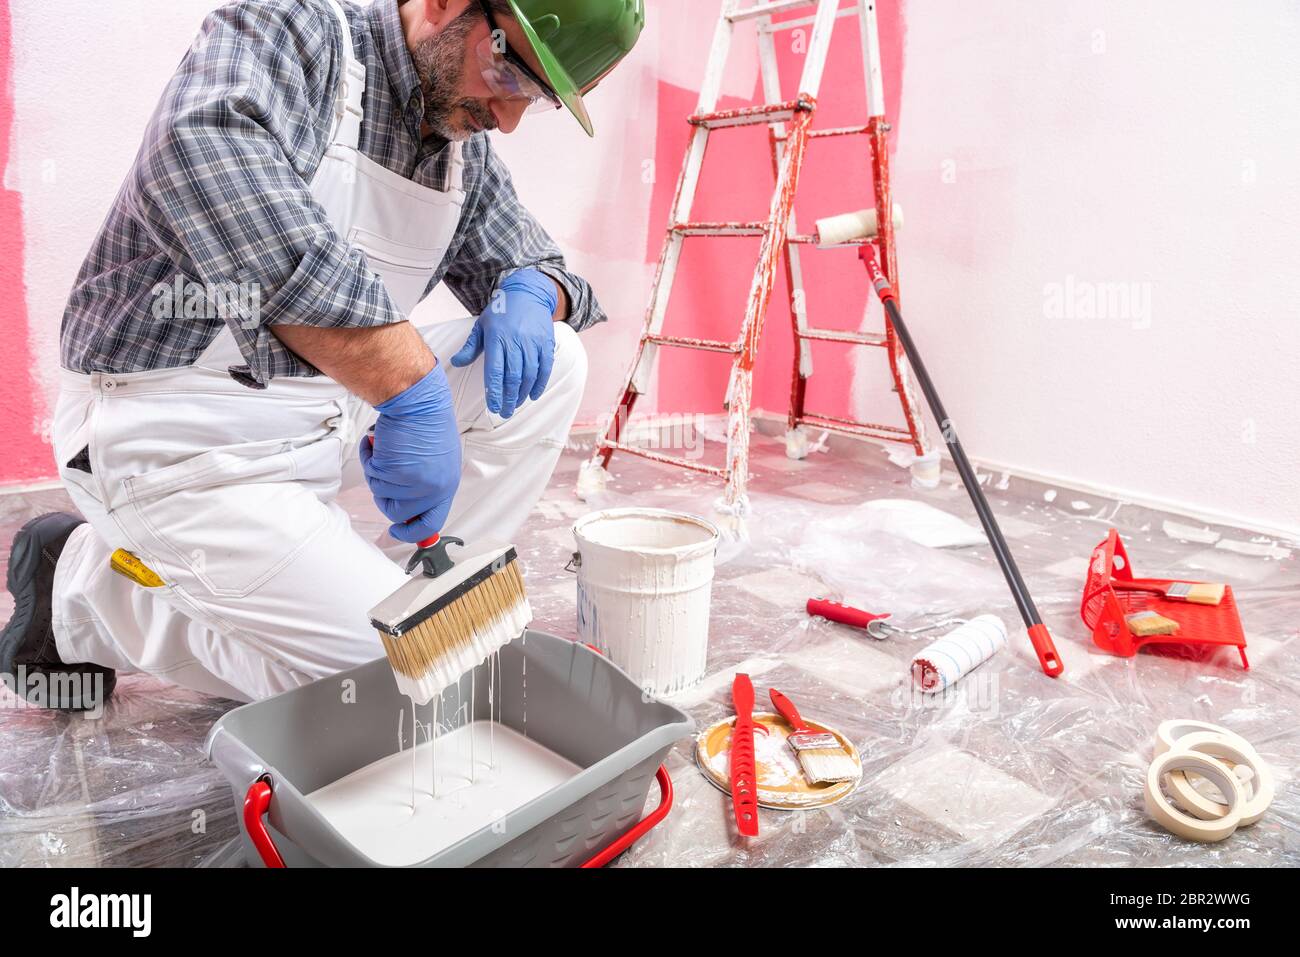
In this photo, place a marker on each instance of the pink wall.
(24, 456)
(1031, 132)
(713, 280)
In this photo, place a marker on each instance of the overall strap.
(346, 129)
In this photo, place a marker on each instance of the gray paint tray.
(577, 702)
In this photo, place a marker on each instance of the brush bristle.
(1205, 593)
(434, 653)
(826, 766)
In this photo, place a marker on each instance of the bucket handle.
(256, 803)
(574, 563)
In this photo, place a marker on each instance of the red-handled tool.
(1038, 634)
(744, 774)
(430, 553)
(844, 614)
(802, 738)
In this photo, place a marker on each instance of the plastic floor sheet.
(1011, 768)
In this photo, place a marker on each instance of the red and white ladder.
(790, 126)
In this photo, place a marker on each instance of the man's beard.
(440, 64)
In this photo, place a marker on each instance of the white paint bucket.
(645, 578)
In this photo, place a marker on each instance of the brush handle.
(432, 539)
(744, 774)
(844, 614)
(786, 709)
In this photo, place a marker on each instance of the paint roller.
(945, 662)
(1039, 636)
(847, 227)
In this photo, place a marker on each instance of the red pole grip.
(884, 290)
(1041, 639)
(844, 614)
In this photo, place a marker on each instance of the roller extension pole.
(1038, 634)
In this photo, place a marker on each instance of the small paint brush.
(820, 753)
(1198, 593)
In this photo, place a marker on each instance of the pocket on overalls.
(234, 516)
(70, 437)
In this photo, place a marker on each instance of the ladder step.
(666, 459)
(750, 115)
(686, 342)
(834, 131)
(833, 423)
(767, 9)
(852, 338)
(808, 239)
(720, 229)
(794, 22)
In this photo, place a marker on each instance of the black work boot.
(29, 659)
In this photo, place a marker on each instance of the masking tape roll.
(1235, 755)
(1170, 731)
(1164, 813)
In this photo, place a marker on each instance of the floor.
(1013, 769)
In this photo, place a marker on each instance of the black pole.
(1038, 634)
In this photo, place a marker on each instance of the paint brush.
(822, 757)
(1198, 593)
(447, 619)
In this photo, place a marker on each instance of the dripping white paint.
(467, 774)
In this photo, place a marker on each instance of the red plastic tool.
(1039, 637)
(844, 614)
(801, 736)
(1111, 592)
(744, 773)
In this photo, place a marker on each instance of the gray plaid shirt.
(217, 200)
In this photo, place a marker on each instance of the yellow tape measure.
(127, 565)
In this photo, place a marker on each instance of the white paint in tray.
(371, 807)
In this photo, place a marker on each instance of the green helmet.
(578, 42)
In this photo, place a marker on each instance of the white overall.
(228, 493)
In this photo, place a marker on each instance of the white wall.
(1047, 146)
(88, 73)
(1041, 144)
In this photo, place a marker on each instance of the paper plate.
(781, 782)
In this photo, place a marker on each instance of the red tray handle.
(256, 802)
(646, 823)
(643, 826)
(258, 799)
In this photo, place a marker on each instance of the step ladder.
(790, 130)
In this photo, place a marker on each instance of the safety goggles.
(507, 74)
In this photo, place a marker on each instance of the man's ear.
(438, 13)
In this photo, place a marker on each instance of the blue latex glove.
(516, 336)
(413, 469)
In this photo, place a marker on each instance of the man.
(239, 326)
